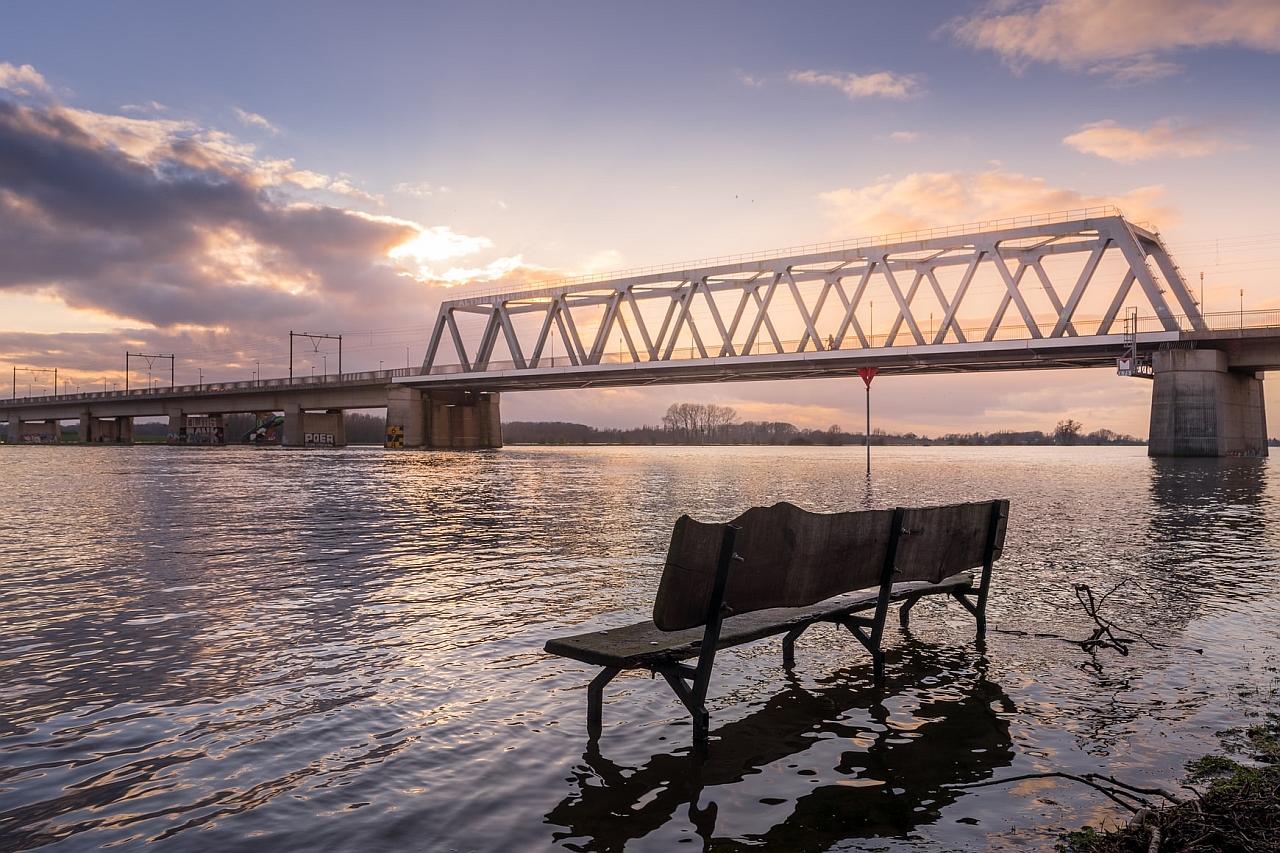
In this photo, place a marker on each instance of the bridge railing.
(213, 387)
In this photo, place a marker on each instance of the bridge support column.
(197, 429)
(34, 432)
(105, 430)
(406, 418)
(314, 429)
(177, 423)
(1200, 408)
(292, 436)
(463, 420)
(443, 420)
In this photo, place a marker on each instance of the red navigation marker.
(867, 374)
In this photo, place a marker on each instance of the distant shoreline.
(775, 434)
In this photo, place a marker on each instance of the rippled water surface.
(241, 649)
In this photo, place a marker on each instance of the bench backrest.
(791, 557)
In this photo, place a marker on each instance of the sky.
(202, 179)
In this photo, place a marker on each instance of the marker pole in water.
(867, 374)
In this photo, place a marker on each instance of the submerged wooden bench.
(778, 570)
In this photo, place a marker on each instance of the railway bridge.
(1079, 289)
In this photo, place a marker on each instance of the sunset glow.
(202, 206)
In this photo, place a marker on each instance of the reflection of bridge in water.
(1079, 289)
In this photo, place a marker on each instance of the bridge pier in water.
(34, 432)
(304, 428)
(443, 420)
(196, 429)
(1201, 408)
(94, 430)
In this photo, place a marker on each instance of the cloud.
(149, 107)
(420, 189)
(168, 225)
(882, 84)
(340, 185)
(1166, 138)
(23, 80)
(751, 80)
(255, 120)
(606, 260)
(904, 136)
(930, 199)
(438, 244)
(1120, 38)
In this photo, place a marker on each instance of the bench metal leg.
(697, 710)
(977, 610)
(858, 626)
(595, 700)
(789, 646)
(904, 612)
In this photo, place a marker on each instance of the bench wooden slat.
(790, 558)
(644, 645)
(943, 540)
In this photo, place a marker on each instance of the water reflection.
(342, 649)
(841, 760)
(1207, 521)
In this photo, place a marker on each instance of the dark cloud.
(165, 224)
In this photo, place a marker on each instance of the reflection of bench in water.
(791, 569)
(948, 726)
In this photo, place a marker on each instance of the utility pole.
(315, 347)
(150, 359)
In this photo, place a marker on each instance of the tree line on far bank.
(695, 423)
(699, 423)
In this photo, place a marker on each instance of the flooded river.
(239, 649)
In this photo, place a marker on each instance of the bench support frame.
(689, 683)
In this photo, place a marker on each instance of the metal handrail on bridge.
(331, 379)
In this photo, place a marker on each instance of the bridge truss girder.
(841, 276)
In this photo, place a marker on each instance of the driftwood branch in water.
(1114, 791)
(1106, 633)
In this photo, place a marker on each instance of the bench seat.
(644, 646)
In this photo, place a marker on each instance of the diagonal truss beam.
(665, 316)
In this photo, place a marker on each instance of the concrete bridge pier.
(443, 420)
(105, 430)
(1201, 408)
(314, 429)
(34, 432)
(196, 429)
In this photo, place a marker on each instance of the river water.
(239, 649)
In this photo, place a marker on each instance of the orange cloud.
(1163, 139)
(1120, 38)
(254, 120)
(930, 199)
(882, 84)
(23, 80)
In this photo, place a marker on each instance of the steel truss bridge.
(990, 296)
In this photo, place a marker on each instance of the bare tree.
(1066, 432)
